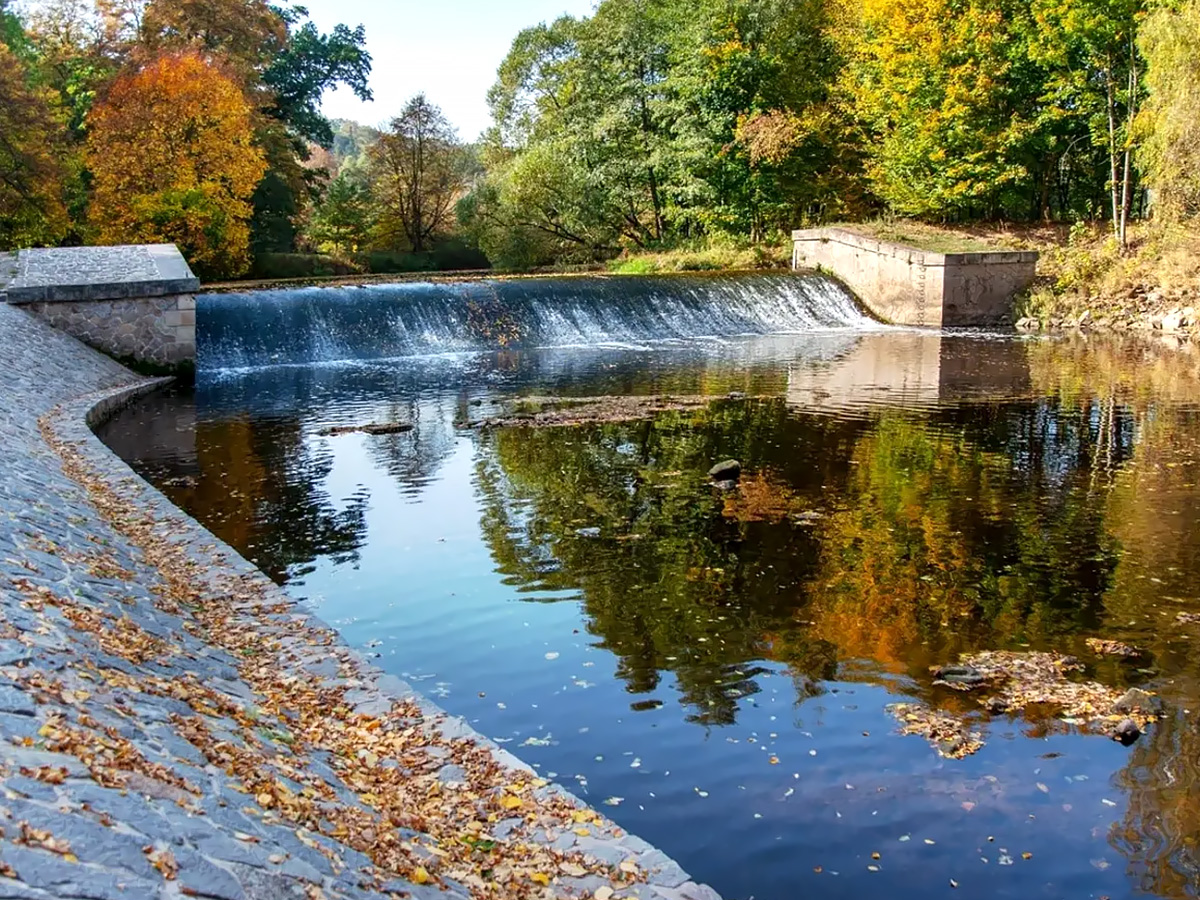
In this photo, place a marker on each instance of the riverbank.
(175, 725)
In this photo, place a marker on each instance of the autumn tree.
(417, 172)
(171, 149)
(32, 147)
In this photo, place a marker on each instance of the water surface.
(718, 667)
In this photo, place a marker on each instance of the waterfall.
(329, 324)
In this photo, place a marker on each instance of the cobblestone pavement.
(145, 755)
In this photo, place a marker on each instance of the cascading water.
(330, 324)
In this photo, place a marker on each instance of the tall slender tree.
(417, 173)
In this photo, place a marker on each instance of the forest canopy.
(649, 124)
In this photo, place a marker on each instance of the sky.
(450, 49)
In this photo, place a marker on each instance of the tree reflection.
(252, 481)
(269, 502)
(897, 540)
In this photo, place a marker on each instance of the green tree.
(1090, 49)
(1171, 119)
(342, 219)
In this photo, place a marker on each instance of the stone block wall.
(907, 286)
(158, 330)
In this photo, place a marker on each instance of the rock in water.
(1137, 700)
(961, 678)
(1127, 732)
(388, 428)
(730, 470)
(726, 485)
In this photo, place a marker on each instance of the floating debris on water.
(1112, 648)
(949, 734)
(1016, 682)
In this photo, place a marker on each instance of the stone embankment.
(173, 725)
(1144, 310)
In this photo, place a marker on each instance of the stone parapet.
(133, 302)
(129, 272)
(907, 286)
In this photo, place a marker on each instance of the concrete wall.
(159, 330)
(907, 286)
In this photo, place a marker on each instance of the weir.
(141, 303)
(327, 324)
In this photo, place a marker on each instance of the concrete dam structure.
(905, 286)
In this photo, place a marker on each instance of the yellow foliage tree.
(31, 147)
(1171, 121)
(172, 152)
(934, 82)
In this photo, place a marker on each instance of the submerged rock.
(1137, 700)
(729, 470)
(1105, 647)
(373, 428)
(959, 677)
(727, 485)
(1127, 732)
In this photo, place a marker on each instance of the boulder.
(1127, 732)
(1135, 699)
(730, 470)
(1173, 321)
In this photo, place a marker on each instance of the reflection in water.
(254, 483)
(907, 497)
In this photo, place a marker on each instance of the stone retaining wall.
(112, 671)
(134, 302)
(906, 286)
(158, 330)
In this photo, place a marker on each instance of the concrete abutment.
(903, 285)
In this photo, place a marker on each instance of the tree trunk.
(1113, 158)
(1127, 174)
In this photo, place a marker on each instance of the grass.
(932, 238)
(711, 256)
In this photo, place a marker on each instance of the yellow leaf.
(420, 876)
(510, 802)
(541, 878)
(582, 832)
